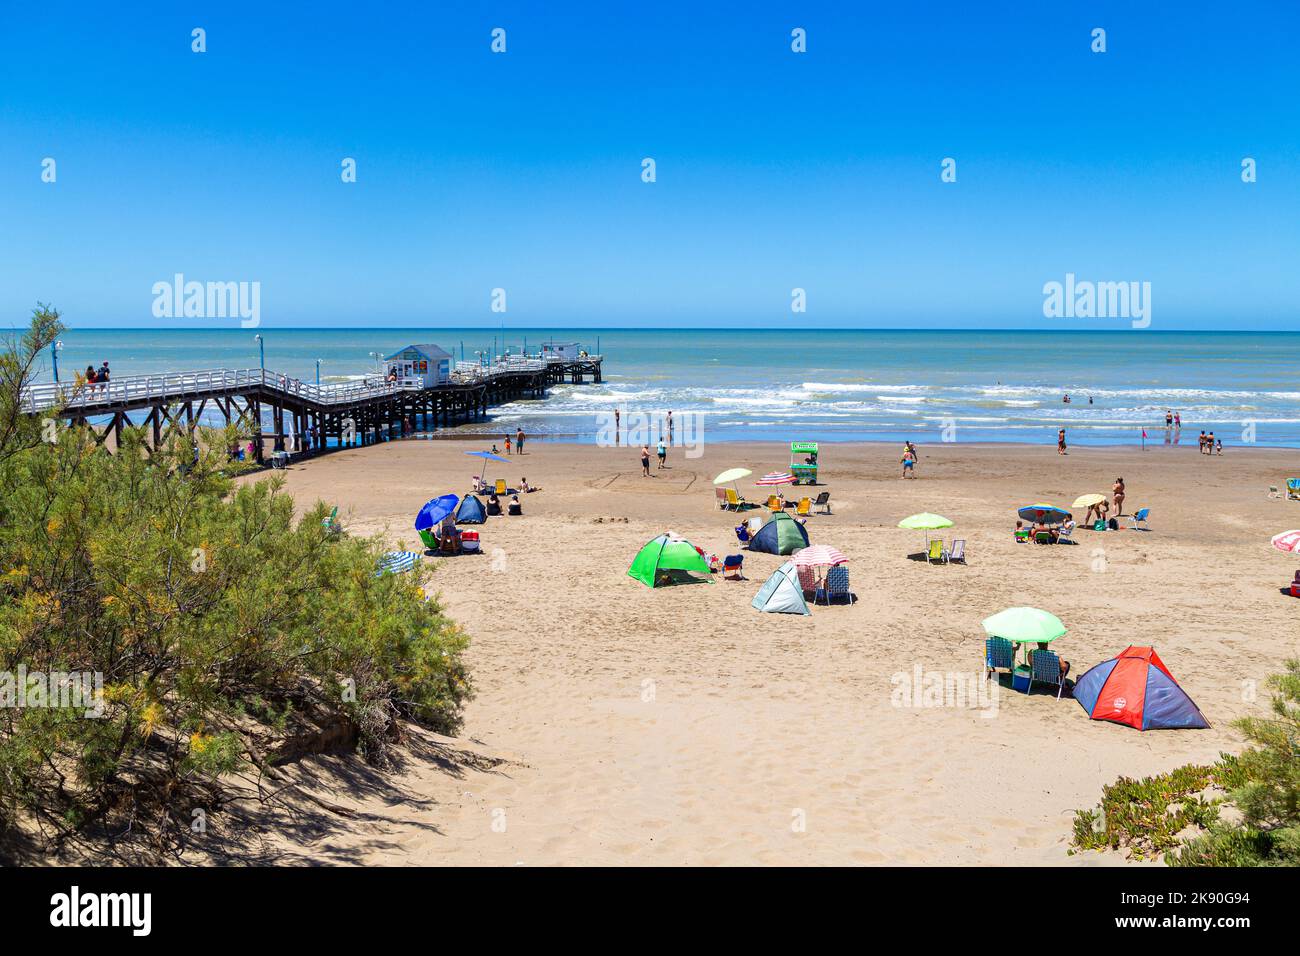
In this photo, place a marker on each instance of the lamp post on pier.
(318, 373)
(55, 347)
(261, 351)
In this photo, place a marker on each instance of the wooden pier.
(351, 414)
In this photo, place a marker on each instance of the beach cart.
(803, 462)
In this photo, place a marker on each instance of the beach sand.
(615, 724)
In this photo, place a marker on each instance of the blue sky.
(775, 170)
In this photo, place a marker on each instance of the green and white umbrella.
(926, 522)
(1024, 625)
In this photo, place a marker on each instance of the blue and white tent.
(397, 562)
(782, 593)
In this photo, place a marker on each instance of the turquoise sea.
(840, 385)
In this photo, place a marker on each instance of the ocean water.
(827, 385)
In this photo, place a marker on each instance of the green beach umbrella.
(1024, 625)
(925, 522)
(665, 553)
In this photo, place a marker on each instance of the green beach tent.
(782, 593)
(780, 535)
(665, 553)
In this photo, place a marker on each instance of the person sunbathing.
(1042, 646)
(526, 487)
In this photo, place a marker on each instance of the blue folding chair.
(835, 585)
(1045, 668)
(1140, 519)
(999, 656)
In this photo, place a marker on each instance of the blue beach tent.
(782, 592)
(781, 535)
(470, 511)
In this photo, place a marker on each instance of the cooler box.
(1020, 679)
(469, 542)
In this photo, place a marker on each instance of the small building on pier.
(567, 351)
(427, 365)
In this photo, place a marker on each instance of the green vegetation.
(216, 620)
(1146, 817)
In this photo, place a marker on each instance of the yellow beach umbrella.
(1087, 501)
(732, 474)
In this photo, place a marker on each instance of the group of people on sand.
(518, 443)
(661, 451)
(1211, 445)
(908, 460)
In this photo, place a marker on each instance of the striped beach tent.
(397, 562)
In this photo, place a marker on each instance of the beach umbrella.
(1087, 501)
(434, 511)
(819, 555)
(773, 478)
(395, 562)
(1024, 625)
(926, 522)
(487, 456)
(732, 475)
(1044, 514)
(1288, 541)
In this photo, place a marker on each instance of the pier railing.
(205, 382)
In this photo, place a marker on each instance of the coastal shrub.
(1262, 784)
(214, 619)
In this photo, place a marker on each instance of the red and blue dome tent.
(1136, 688)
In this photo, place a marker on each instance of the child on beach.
(526, 488)
(507, 444)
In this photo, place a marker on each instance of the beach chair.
(1066, 533)
(1046, 669)
(331, 524)
(721, 495)
(999, 656)
(774, 503)
(958, 552)
(1140, 519)
(807, 582)
(731, 567)
(936, 552)
(823, 502)
(1273, 492)
(1293, 489)
(805, 507)
(735, 501)
(836, 585)
(501, 486)
(1043, 537)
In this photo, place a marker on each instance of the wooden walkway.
(351, 414)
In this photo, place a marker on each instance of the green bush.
(210, 612)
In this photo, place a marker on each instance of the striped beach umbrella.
(819, 555)
(396, 562)
(773, 478)
(1288, 541)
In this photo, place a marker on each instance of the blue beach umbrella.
(434, 511)
(487, 456)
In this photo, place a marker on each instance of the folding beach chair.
(1273, 492)
(1293, 489)
(1066, 533)
(331, 524)
(774, 503)
(999, 656)
(501, 486)
(958, 552)
(836, 585)
(1043, 537)
(1140, 519)
(823, 502)
(936, 552)
(735, 501)
(807, 582)
(1045, 668)
(1295, 585)
(805, 507)
(721, 495)
(731, 567)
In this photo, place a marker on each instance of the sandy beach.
(615, 724)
